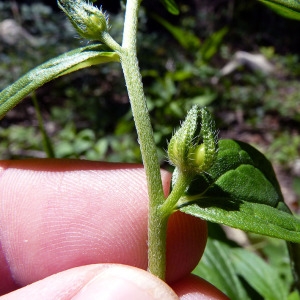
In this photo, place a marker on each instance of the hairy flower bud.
(193, 148)
(88, 20)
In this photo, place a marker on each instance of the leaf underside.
(61, 65)
(257, 218)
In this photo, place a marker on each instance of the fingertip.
(186, 241)
(103, 281)
(54, 217)
(124, 282)
(166, 178)
(193, 287)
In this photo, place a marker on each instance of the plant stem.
(110, 42)
(156, 224)
(182, 182)
(48, 147)
(294, 250)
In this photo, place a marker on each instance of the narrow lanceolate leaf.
(61, 65)
(261, 276)
(240, 190)
(286, 8)
(216, 267)
(186, 38)
(171, 6)
(227, 266)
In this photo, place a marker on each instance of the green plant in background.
(286, 8)
(226, 182)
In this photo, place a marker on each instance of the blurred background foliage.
(184, 61)
(236, 57)
(182, 58)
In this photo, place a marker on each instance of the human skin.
(73, 229)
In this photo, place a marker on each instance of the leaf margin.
(251, 217)
(283, 8)
(61, 65)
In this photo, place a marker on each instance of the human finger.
(104, 281)
(193, 287)
(59, 214)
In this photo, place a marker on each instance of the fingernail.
(123, 282)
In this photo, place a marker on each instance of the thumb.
(102, 281)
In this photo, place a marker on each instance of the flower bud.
(198, 155)
(193, 148)
(89, 21)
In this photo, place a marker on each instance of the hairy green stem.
(182, 182)
(156, 224)
(110, 42)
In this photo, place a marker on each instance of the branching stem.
(182, 182)
(156, 224)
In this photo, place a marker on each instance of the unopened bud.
(193, 148)
(89, 21)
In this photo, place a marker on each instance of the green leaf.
(211, 45)
(294, 296)
(260, 275)
(229, 267)
(286, 8)
(61, 65)
(217, 268)
(187, 39)
(253, 217)
(240, 190)
(171, 6)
